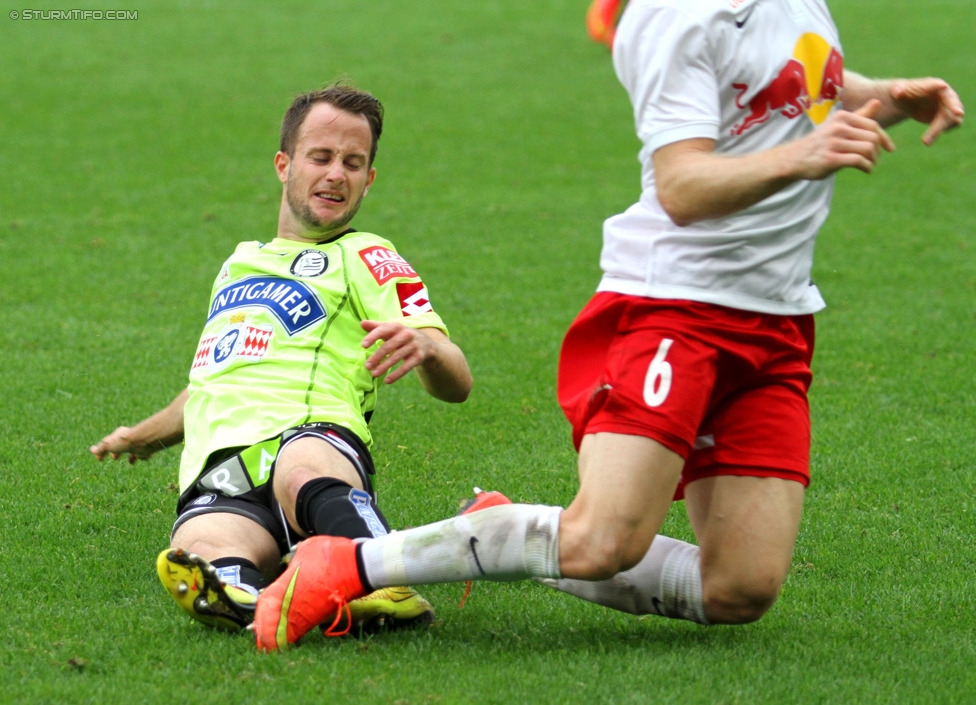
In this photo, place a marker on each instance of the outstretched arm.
(930, 101)
(161, 430)
(440, 364)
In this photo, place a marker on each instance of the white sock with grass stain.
(510, 542)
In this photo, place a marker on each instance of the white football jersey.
(749, 74)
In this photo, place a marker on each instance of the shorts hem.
(668, 440)
(728, 471)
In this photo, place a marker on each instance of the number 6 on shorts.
(657, 383)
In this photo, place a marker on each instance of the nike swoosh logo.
(742, 23)
(474, 552)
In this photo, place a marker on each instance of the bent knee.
(739, 602)
(222, 534)
(204, 549)
(597, 555)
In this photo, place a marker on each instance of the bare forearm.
(703, 185)
(858, 90)
(440, 364)
(164, 428)
(695, 183)
(161, 430)
(445, 375)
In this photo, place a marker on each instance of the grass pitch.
(136, 153)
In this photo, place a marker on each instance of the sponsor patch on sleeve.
(385, 264)
(413, 298)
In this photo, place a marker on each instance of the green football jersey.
(282, 344)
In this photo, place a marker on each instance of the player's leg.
(626, 486)
(658, 574)
(216, 565)
(222, 534)
(746, 527)
(313, 482)
(756, 418)
(625, 477)
(509, 542)
(321, 482)
(744, 493)
(633, 365)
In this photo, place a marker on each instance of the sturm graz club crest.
(310, 263)
(226, 345)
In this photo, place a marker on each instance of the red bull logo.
(810, 83)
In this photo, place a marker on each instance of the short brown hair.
(341, 96)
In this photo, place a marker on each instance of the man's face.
(327, 176)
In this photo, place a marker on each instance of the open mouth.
(330, 197)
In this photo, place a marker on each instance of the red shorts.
(726, 389)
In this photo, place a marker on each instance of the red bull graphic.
(833, 77)
(810, 83)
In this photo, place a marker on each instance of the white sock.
(667, 581)
(509, 542)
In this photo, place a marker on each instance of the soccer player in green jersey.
(300, 334)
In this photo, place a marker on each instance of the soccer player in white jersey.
(687, 373)
(301, 331)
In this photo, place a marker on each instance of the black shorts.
(239, 480)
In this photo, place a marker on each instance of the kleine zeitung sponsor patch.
(385, 264)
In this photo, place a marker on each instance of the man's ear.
(282, 162)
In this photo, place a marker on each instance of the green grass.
(136, 154)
